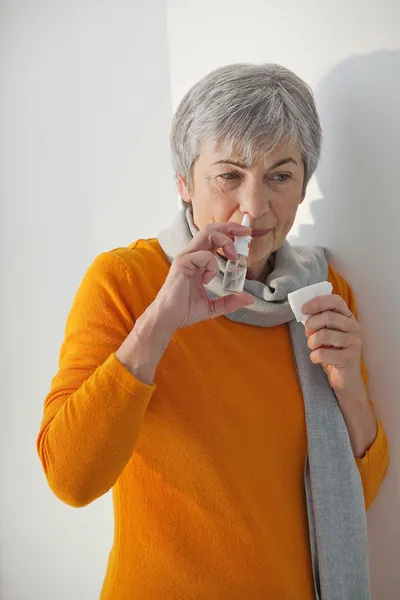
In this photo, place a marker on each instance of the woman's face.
(221, 191)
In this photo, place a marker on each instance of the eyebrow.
(242, 165)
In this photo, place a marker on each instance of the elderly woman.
(241, 446)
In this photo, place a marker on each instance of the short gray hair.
(253, 107)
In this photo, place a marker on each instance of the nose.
(254, 201)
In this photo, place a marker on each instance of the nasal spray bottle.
(235, 271)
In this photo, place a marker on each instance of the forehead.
(211, 154)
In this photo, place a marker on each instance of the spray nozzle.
(246, 220)
(242, 241)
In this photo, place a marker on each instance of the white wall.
(85, 108)
(85, 113)
(349, 52)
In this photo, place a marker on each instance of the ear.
(183, 189)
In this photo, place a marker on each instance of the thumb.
(228, 304)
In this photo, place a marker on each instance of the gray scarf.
(334, 494)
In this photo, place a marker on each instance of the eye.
(282, 175)
(228, 176)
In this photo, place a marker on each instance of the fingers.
(331, 320)
(334, 339)
(331, 302)
(218, 235)
(227, 228)
(211, 242)
(341, 359)
(203, 265)
(228, 304)
(202, 262)
(211, 272)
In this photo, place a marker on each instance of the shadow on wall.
(358, 221)
(358, 217)
(358, 175)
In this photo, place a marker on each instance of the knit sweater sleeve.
(95, 407)
(374, 464)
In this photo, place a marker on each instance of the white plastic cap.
(242, 242)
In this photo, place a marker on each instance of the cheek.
(285, 210)
(223, 211)
(211, 205)
(221, 204)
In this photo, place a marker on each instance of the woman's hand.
(335, 338)
(182, 300)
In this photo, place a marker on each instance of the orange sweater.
(206, 465)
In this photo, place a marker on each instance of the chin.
(258, 255)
